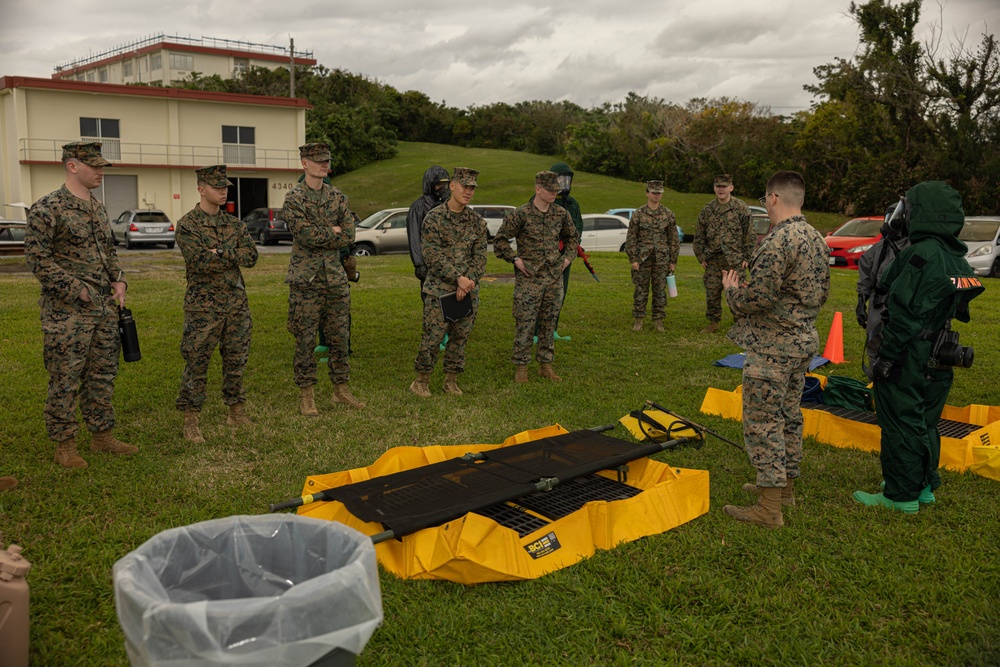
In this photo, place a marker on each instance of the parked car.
(849, 241)
(982, 235)
(12, 237)
(761, 225)
(493, 214)
(137, 227)
(381, 233)
(266, 226)
(602, 231)
(627, 214)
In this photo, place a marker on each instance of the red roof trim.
(126, 165)
(150, 91)
(159, 46)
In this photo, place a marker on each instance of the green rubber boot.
(879, 500)
(558, 337)
(926, 495)
(321, 349)
(444, 343)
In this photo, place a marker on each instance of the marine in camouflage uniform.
(68, 247)
(775, 313)
(216, 311)
(538, 227)
(453, 248)
(652, 247)
(724, 239)
(321, 223)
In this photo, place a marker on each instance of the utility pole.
(291, 66)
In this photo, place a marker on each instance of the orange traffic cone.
(834, 350)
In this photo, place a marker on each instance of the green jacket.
(930, 282)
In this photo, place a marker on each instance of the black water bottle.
(129, 335)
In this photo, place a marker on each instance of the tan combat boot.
(451, 384)
(342, 394)
(420, 385)
(766, 513)
(7, 483)
(105, 442)
(307, 402)
(521, 374)
(787, 497)
(658, 325)
(638, 324)
(237, 415)
(192, 432)
(545, 370)
(67, 456)
(711, 328)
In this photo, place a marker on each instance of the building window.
(105, 130)
(155, 62)
(238, 145)
(181, 61)
(127, 68)
(91, 76)
(102, 75)
(240, 65)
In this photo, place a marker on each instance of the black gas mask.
(897, 219)
(565, 182)
(441, 191)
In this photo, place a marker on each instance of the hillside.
(506, 178)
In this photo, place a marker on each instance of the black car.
(266, 226)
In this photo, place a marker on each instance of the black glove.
(862, 312)
(420, 271)
(886, 370)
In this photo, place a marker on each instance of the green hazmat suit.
(929, 284)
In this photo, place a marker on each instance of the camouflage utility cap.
(315, 152)
(548, 180)
(87, 152)
(723, 179)
(465, 176)
(214, 176)
(656, 187)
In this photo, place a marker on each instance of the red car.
(849, 241)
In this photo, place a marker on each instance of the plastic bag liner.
(249, 590)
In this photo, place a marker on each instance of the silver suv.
(142, 227)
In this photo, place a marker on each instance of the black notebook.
(455, 310)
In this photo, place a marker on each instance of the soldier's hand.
(885, 370)
(420, 271)
(635, 266)
(118, 292)
(351, 265)
(85, 294)
(730, 279)
(862, 312)
(465, 285)
(704, 265)
(567, 262)
(519, 265)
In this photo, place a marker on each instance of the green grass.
(840, 584)
(507, 177)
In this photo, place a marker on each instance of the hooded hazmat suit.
(419, 210)
(928, 285)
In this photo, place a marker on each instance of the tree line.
(897, 113)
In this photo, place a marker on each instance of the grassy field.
(507, 177)
(840, 584)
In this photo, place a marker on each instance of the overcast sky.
(588, 51)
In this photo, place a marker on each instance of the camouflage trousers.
(713, 288)
(80, 345)
(435, 328)
(651, 276)
(314, 309)
(772, 420)
(536, 303)
(203, 331)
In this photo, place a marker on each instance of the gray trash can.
(272, 590)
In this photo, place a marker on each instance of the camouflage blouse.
(538, 235)
(652, 230)
(453, 245)
(214, 281)
(311, 216)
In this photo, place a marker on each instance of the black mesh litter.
(514, 518)
(568, 498)
(947, 427)
(408, 501)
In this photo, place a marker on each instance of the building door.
(118, 193)
(246, 194)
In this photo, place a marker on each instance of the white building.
(156, 138)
